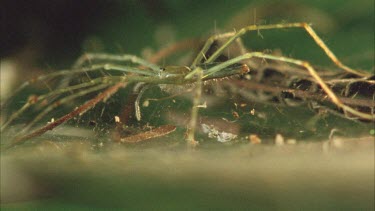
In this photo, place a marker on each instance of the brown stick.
(154, 133)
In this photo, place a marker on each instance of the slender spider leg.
(107, 57)
(208, 74)
(207, 46)
(35, 99)
(304, 26)
(128, 69)
(118, 81)
(44, 78)
(304, 64)
(350, 80)
(137, 102)
(195, 109)
(120, 68)
(81, 109)
(62, 101)
(124, 58)
(112, 57)
(203, 74)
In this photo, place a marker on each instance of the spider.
(138, 70)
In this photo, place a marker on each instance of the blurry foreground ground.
(336, 175)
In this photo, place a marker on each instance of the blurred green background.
(59, 31)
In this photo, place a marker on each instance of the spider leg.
(137, 101)
(91, 57)
(112, 57)
(69, 72)
(194, 111)
(242, 31)
(81, 109)
(200, 74)
(207, 46)
(42, 78)
(61, 101)
(304, 64)
(61, 90)
(114, 83)
(120, 58)
(35, 99)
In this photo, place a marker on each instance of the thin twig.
(154, 133)
(81, 109)
(300, 93)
